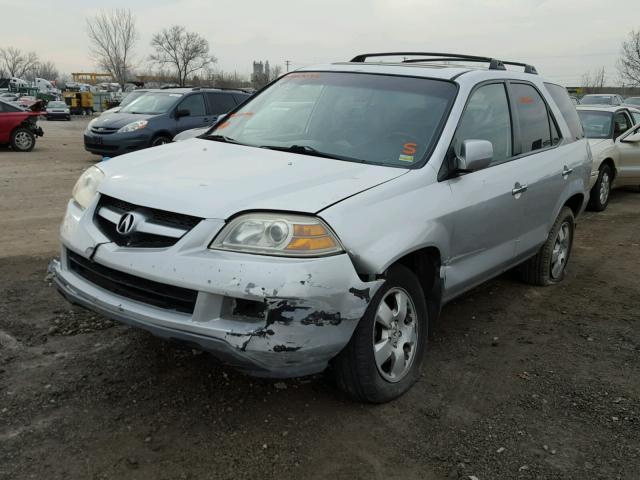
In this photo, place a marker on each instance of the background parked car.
(156, 117)
(632, 101)
(18, 127)
(130, 97)
(615, 146)
(602, 99)
(58, 109)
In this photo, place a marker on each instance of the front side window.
(533, 117)
(378, 119)
(636, 117)
(621, 123)
(487, 117)
(596, 124)
(195, 105)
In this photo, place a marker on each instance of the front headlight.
(278, 234)
(133, 126)
(87, 185)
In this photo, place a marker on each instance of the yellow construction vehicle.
(80, 103)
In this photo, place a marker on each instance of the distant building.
(261, 74)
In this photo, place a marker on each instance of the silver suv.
(330, 217)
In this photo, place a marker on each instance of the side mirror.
(633, 138)
(184, 112)
(475, 155)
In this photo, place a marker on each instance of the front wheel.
(599, 198)
(550, 263)
(23, 140)
(382, 360)
(160, 140)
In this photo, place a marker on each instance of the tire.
(356, 370)
(23, 140)
(544, 269)
(601, 191)
(160, 140)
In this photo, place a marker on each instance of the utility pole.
(287, 62)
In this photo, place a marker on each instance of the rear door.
(488, 207)
(546, 166)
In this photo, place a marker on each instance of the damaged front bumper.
(268, 316)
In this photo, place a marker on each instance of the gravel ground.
(518, 383)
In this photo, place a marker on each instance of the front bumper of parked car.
(114, 144)
(269, 316)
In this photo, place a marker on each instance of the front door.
(198, 116)
(487, 204)
(628, 158)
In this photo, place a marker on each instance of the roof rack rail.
(494, 63)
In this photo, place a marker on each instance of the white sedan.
(56, 109)
(615, 145)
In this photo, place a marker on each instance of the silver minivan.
(329, 218)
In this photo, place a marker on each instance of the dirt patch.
(519, 382)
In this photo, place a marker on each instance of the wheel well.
(425, 264)
(575, 203)
(162, 133)
(609, 162)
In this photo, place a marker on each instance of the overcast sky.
(562, 38)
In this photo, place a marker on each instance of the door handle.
(566, 171)
(518, 189)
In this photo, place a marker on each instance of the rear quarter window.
(567, 109)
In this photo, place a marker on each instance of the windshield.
(57, 105)
(152, 103)
(380, 119)
(632, 100)
(130, 97)
(596, 124)
(596, 100)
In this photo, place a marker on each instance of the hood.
(118, 120)
(599, 144)
(110, 111)
(216, 180)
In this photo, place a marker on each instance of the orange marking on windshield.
(409, 148)
(526, 100)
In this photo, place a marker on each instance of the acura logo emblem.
(126, 224)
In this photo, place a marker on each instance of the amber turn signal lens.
(311, 243)
(309, 230)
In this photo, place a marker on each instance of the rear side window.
(567, 109)
(487, 117)
(221, 102)
(533, 117)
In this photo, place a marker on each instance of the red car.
(18, 127)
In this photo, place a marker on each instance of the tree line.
(184, 57)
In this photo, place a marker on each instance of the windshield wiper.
(221, 138)
(307, 150)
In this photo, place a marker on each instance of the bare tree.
(629, 61)
(17, 63)
(185, 52)
(46, 70)
(113, 35)
(276, 71)
(591, 82)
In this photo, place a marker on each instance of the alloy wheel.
(23, 140)
(605, 186)
(560, 253)
(395, 335)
